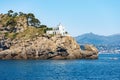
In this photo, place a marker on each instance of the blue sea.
(107, 67)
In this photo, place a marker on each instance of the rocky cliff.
(22, 37)
(45, 47)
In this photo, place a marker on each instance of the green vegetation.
(10, 19)
(31, 32)
(21, 25)
(11, 35)
(32, 21)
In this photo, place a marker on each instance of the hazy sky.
(78, 16)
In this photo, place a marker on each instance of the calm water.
(105, 68)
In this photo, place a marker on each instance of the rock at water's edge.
(56, 47)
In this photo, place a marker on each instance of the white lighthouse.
(58, 30)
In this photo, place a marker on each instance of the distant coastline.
(104, 44)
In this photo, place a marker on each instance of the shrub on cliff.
(12, 18)
(32, 21)
(21, 25)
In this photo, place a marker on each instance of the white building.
(58, 30)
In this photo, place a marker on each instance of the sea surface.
(107, 67)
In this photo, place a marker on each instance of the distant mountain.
(91, 38)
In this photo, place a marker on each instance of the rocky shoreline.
(45, 47)
(23, 37)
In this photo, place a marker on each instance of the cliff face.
(13, 24)
(22, 37)
(45, 47)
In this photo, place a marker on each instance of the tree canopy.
(13, 21)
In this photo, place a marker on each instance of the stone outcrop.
(22, 37)
(89, 52)
(45, 47)
(21, 24)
